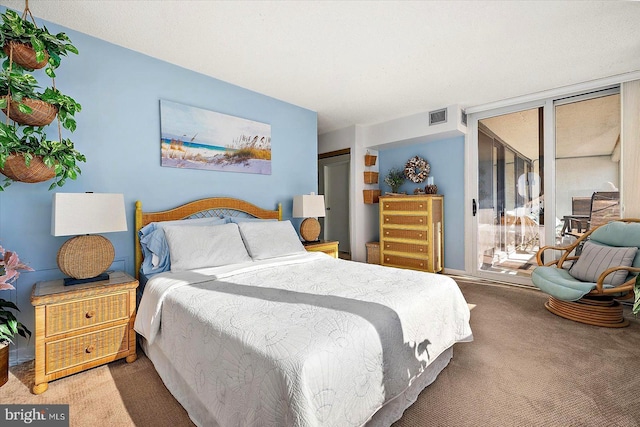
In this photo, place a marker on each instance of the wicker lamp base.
(84, 257)
(310, 229)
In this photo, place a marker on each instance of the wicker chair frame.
(600, 306)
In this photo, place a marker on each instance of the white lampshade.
(308, 206)
(87, 256)
(87, 213)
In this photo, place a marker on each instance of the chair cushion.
(558, 283)
(596, 258)
(618, 233)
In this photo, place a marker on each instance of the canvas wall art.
(196, 138)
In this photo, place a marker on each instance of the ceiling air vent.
(437, 117)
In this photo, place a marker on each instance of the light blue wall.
(119, 132)
(446, 158)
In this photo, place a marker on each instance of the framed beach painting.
(195, 138)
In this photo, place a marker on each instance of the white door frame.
(543, 99)
(471, 186)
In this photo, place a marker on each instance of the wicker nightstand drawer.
(70, 352)
(67, 317)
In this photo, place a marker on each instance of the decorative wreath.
(417, 169)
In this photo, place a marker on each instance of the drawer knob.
(386, 219)
(420, 219)
(388, 246)
(421, 265)
(89, 349)
(386, 206)
(420, 235)
(89, 314)
(420, 205)
(420, 249)
(387, 259)
(387, 233)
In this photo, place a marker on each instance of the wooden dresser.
(412, 232)
(82, 326)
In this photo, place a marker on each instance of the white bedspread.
(307, 340)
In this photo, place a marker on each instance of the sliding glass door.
(509, 203)
(545, 173)
(587, 159)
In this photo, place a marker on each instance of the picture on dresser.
(196, 138)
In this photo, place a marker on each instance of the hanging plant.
(25, 152)
(20, 90)
(59, 156)
(67, 106)
(47, 48)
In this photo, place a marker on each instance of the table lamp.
(86, 257)
(309, 206)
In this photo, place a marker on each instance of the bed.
(247, 328)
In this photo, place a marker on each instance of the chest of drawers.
(412, 232)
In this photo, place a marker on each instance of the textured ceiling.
(363, 62)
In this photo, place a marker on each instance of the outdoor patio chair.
(604, 207)
(584, 286)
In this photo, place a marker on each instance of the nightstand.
(79, 327)
(327, 246)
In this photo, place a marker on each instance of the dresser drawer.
(66, 317)
(410, 248)
(66, 353)
(398, 261)
(404, 219)
(404, 205)
(394, 233)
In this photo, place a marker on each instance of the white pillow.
(193, 247)
(270, 239)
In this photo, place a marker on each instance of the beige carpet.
(526, 367)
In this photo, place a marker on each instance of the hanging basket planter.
(370, 160)
(17, 170)
(370, 177)
(371, 196)
(24, 55)
(42, 113)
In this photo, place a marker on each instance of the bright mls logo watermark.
(34, 415)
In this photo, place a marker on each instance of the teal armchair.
(585, 287)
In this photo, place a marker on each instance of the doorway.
(333, 182)
(509, 204)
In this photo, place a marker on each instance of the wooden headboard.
(210, 207)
